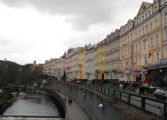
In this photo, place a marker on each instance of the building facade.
(81, 63)
(112, 62)
(59, 68)
(49, 67)
(100, 60)
(68, 64)
(135, 52)
(89, 62)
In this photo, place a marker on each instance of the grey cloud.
(83, 12)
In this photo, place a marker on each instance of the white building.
(89, 63)
(112, 56)
(49, 67)
(59, 68)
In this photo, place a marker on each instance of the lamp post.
(161, 81)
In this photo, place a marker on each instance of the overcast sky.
(43, 29)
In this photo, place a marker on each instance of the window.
(136, 48)
(155, 8)
(143, 30)
(165, 17)
(136, 34)
(152, 40)
(166, 34)
(156, 23)
(140, 46)
(146, 28)
(146, 15)
(145, 60)
(145, 44)
(157, 56)
(150, 25)
(157, 39)
(152, 57)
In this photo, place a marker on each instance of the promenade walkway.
(74, 111)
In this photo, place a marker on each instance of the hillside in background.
(13, 73)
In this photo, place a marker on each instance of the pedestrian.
(69, 101)
(124, 85)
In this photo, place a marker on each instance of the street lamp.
(161, 81)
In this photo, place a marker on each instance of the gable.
(143, 7)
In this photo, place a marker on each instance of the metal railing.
(145, 103)
(148, 104)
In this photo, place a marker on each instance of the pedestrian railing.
(148, 104)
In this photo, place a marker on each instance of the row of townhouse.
(127, 53)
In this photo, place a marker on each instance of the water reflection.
(34, 105)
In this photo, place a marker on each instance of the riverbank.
(6, 99)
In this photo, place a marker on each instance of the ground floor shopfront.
(157, 74)
(158, 77)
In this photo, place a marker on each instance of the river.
(34, 106)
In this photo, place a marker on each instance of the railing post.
(98, 88)
(114, 93)
(106, 91)
(143, 103)
(120, 95)
(101, 90)
(129, 98)
(165, 111)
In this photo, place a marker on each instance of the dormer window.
(155, 8)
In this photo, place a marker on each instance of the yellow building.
(141, 42)
(81, 63)
(100, 60)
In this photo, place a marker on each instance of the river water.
(33, 105)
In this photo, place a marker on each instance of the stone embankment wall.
(99, 106)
